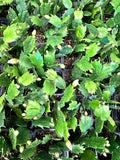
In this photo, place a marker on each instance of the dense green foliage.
(86, 31)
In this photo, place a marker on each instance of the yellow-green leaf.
(26, 79)
(12, 91)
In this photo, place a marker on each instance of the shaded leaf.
(28, 153)
(13, 137)
(4, 148)
(2, 102)
(116, 154)
(43, 122)
(2, 118)
(98, 125)
(23, 136)
(77, 148)
(95, 142)
(88, 154)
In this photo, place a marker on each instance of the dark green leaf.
(23, 136)
(27, 153)
(116, 154)
(3, 146)
(92, 29)
(4, 80)
(2, 102)
(43, 122)
(13, 137)
(65, 50)
(114, 80)
(80, 47)
(88, 154)
(95, 142)
(77, 148)
(98, 125)
(2, 118)
(21, 5)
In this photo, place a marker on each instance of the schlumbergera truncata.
(59, 79)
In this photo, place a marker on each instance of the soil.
(4, 12)
(105, 158)
(77, 91)
(68, 62)
(67, 76)
(57, 60)
(40, 37)
(68, 41)
(1, 34)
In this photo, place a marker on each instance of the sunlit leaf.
(12, 91)
(85, 123)
(26, 79)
